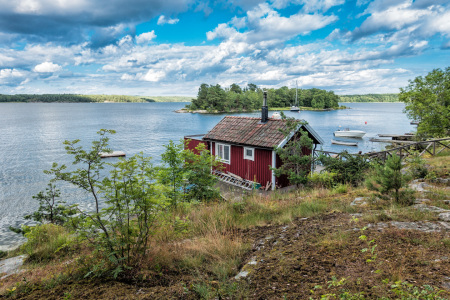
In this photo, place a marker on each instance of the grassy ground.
(308, 243)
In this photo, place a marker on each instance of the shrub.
(348, 168)
(417, 167)
(324, 179)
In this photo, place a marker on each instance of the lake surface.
(32, 135)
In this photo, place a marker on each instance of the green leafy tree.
(296, 164)
(427, 100)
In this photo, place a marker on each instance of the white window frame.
(220, 154)
(252, 157)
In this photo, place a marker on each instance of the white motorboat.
(349, 133)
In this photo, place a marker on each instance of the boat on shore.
(349, 133)
(344, 143)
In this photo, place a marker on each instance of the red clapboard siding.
(194, 143)
(247, 169)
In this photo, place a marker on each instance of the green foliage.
(188, 173)
(349, 168)
(295, 164)
(416, 166)
(51, 208)
(198, 174)
(45, 241)
(427, 100)
(388, 176)
(214, 98)
(172, 173)
(133, 200)
(369, 98)
(3, 254)
(324, 179)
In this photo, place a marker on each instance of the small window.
(249, 153)
(223, 152)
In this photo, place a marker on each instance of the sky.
(170, 47)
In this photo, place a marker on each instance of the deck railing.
(432, 147)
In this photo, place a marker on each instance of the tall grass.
(46, 241)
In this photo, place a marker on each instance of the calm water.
(32, 135)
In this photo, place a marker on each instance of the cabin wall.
(256, 170)
(193, 143)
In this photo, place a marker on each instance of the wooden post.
(434, 148)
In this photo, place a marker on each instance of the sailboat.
(295, 107)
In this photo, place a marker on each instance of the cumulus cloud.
(145, 37)
(266, 26)
(154, 75)
(47, 67)
(163, 20)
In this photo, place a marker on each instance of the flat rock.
(11, 265)
(420, 186)
(359, 201)
(419, 201)
(420, 226)
(424, 207)
(445, 216)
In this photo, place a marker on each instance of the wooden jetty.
(111, 154)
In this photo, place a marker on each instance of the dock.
(111, 154)
(391, 141)
(398, 137)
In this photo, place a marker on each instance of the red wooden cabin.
(246, 146)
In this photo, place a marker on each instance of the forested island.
(369, 98)
(214, 98)
(77, 98)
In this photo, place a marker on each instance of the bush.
(417, 167)
(323, 179)
(348, 168)
(45, 241)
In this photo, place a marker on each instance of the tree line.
(369, 98)
(236, 98)
(72, 98)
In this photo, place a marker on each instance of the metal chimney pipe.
(264, 110)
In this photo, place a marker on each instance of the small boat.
(295, 108)
(111, 154)
(349, 133)
(344, 143)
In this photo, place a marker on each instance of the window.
(223, 152)
(249, 153)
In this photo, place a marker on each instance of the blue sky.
(164, 47)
